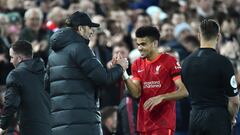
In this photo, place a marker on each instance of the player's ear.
(155, 43)
(219, 37)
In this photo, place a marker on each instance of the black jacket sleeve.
(92, 67)
(12, 100)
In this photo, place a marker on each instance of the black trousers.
(210, 121)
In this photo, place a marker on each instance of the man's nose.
(139, 47)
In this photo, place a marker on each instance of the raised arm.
(93, 68)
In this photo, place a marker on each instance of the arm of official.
(12, 101)
(233, 96)
(233, 107)
(230, 83)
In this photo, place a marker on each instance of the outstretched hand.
(111, 63)
(122, 61)
(152, 102)
(118, 59)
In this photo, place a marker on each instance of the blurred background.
(178, 21)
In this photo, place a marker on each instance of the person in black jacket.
(210, 80)
(25, 93)
(75, 75)
(127, 115)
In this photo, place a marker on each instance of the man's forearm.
(181, 92)
(133, 88)
(176, 95)
(233, 109)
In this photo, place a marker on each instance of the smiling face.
(145, 46)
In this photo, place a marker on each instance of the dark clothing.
(143, 4)
(113, 94)
(176, 46)
(211, 121)
(5, 67)
(236, 129)
(106, 131)
(25, 94)
(75, 77)
(182, 112)
(207, 76)
(12, 131)
(210, 80)
(103, 54)
(127, 116)
(30, 36)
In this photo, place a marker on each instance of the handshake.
(121, 61)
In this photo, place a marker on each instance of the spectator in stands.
(5, 65)
(32, 106)
(109, 120)
(33, 33)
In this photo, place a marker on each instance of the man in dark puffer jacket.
(75, 75)
(25, 93)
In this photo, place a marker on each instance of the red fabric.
(121, 84)
(159, 132)
(130, 116)
(156, 78)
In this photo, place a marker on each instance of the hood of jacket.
(35, 65)
(64, 37)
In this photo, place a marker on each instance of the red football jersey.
(156, 77)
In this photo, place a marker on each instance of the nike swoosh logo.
(140, 70)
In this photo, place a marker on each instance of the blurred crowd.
(178, 21)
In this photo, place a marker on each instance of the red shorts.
(159, 132)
